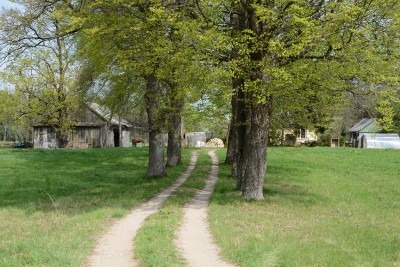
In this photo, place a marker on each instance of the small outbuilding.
(366, 125)
(335, 142)
(195, 139)
(96, 127)
(379, 140)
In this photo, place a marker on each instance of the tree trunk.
(156, 166)
(174, 128)
(174, 141)
(240, 128)
(239, 23)
(230, 153)
(63, 140)
(120, 131)
(254, 110)
(61, 90)
(254, 158)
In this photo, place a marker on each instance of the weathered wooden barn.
(96, 127)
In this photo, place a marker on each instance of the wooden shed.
(366, 125)
(96, 127)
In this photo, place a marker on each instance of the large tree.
(151, 41)
(37, 49)
(285, 49)
(6, 113)
(282, 54)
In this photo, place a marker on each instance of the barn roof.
(107, 115)
(361, 125)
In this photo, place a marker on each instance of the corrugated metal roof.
(105, 113)
(361, 125)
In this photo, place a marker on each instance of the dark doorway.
(335, 142)
(116, 138)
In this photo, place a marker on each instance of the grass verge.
(55, 203)
(155, 240)
(322, 207)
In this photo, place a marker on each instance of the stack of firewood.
(215, 142)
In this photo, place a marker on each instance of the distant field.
(54, 203)
(323, 207)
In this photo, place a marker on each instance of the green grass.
(154, 242)
(322, 207)
(55, 203)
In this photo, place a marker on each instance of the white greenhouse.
(378, 140)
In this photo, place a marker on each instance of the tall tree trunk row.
(175, 131)
(251, 113)
(156, 165)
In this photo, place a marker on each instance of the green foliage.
(126, 43)
(386, 104)
(36, 94)
(307, 55)
(210, 114)
(138, 39)
(39, 64)
(6, 105)
(298, 52)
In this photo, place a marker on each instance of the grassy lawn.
(54, 203)
(323, 207)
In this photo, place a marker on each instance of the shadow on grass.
(75, 181)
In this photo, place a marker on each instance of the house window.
(301, 133)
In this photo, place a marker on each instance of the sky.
(7, 4)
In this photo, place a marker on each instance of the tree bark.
(238, 22)
(120, 131)
(63, 140)
(174, 147)
(253, 111)
(61, 90)
(175, 134)
(230, 153)
(254, 158)
(156, 165)
(175, 111)
(240, 128)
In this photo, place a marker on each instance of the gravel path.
(194, 240)
(116, 247)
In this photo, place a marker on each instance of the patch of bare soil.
(115, 247)
(194, 240)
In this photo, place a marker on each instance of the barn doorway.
(116, 138)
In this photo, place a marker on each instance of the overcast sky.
(6, 3)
